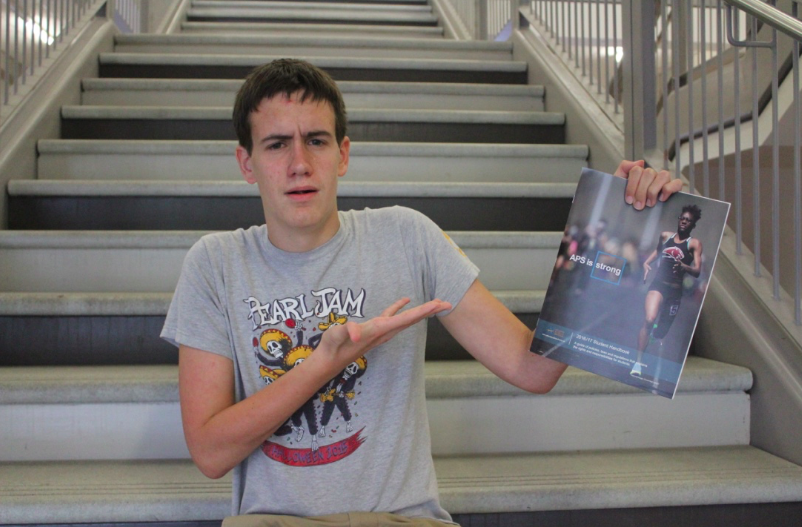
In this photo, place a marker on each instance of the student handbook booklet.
(628, 286)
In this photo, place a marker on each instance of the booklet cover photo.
(628, 286)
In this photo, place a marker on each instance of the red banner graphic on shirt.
(306, 457)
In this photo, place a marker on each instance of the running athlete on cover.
(679, 254)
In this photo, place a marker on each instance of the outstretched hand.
(646, 185)
(346, 343)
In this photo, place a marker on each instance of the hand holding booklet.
(628, 286)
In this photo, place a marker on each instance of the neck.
(302, 240)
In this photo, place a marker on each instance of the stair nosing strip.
(234, 188)
(358, 148)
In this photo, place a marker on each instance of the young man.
(274, 324)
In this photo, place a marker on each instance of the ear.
(345, 152)
(245, 166)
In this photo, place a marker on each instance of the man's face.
(295, 162)
(686, 223)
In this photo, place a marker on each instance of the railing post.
(110, 8)
(515, 17)
(480, 29)
(639, 78)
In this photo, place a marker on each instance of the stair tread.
(10, 239)
(344, 41)
(356, 14)
(346, 87)
(157, 303)
(358, 148)
(165, 490)
(323, 62)
(278, 4)
(223, 113)
(54, 187)
(200, 27)
(444, 380)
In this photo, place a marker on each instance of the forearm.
(221, 441)
(221, 433)
(500, 341)
(530, 371)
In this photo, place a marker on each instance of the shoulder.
(394, 218)
(695, 243)
(211, 247)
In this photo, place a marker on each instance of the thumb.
(354, 331)
(625, 166)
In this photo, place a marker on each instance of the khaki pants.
(351, 519)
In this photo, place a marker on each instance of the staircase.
(88, 392)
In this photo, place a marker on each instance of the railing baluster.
(797, 181)
(584, 37)
(675, 62)
(720, 57)
(577, 41)
(666, 74)
(736, 26)
(7, 50)
(755, 155)
(598, 46)
(703, 63)
(689, 86)
(775, 139)
(615, 56)
(606, 54)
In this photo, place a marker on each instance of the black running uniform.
(668, 280)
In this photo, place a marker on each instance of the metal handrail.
(771, 16)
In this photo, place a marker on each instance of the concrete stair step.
(314, 5)
(314, 45)
(175, 491)
(214, 123)
(93, 261)
(359, 14)
(357, 94)
(228, 205)
(100, 159)
(199, 66)
(329, 2)
(69, 329)
(104, 412)
(262, 28)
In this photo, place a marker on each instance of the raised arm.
(221, 432)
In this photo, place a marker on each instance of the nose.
(300, 164)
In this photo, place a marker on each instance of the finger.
(633, 180)
(672, 187)
(625, 166)
(646, 179)
(379, 327)
(395, 307)
(660, 180)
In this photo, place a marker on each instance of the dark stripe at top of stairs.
(232, 66)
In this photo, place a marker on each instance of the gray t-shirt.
(362, 443)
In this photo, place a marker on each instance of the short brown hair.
(287, 76)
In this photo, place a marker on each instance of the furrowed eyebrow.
(283, 137)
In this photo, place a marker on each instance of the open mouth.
(301, 192)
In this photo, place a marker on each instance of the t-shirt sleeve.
(446, 272)
(197, 315)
